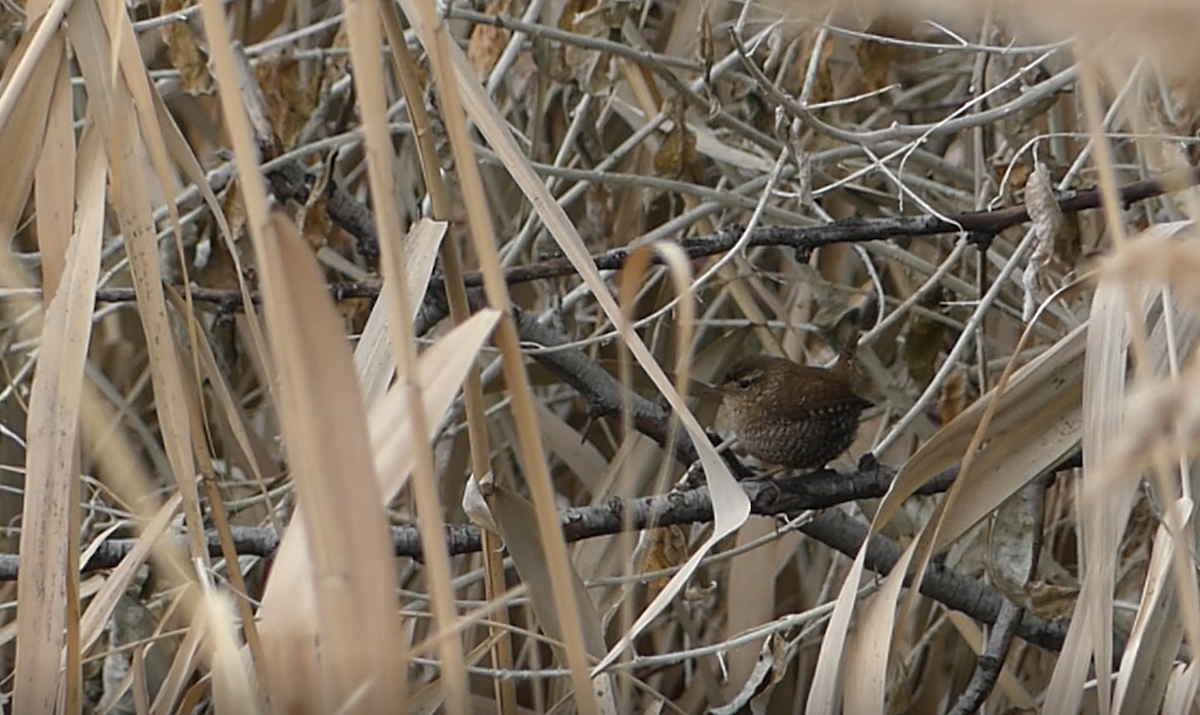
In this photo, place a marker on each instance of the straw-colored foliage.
(306, 351)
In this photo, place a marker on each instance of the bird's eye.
(745, 383)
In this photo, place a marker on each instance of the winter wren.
(795, 416)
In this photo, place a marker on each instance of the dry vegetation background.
(283, 274)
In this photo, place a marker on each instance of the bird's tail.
(843, 369)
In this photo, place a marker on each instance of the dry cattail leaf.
(708, 43)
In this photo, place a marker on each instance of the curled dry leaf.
(1015, 541)
(952, 399)
(487, 42)
(665, 548)
(1047, 218)
(184, 51)
(677, 153)
(588, 68)
(291, 94)
(773, 660)
(475, 506)
(1050, 601)
(923, 344)
(875, 58)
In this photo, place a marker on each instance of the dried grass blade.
(349, 542)
(1103, 513)
(231, 410)
(731, 505)
(444, 57)
(290, 624)
(373, 358)
(866, 664)
(54, 189)
(1182, 686)
(1059, 368)
(22, 134)
(131, 201)
(751, 599)
(825, 696)
(911, 477)
(27, 62)
(181, 669)
(179, 149)
(50, 510)
(583, 459)
(100, 609)
(362, 24)
(518, 522)
(288, 605)
(441, 369)
(1157, 629)
(232, 689)
(1009, 460)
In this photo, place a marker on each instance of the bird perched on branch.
(795, 416)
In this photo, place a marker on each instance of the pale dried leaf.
(22, 133)
(866, 653)
(760, 684)
(131, 201)
(374, 360)
(187, 658)
(94, 619)
(50, 509)
(751, 598)
(1057, 370)
(731, 504)
(1183, 683)
(233, 691)
(54, 188)
(325, 430)
(1013, 544)
(443, 367)
(581, 457)
(487, 42)
(474, 505)
(1157, 630)
(1008, 461)
(1103, 512)
(517, 519)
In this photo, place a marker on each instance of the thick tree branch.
(833, 527)
(982, 224)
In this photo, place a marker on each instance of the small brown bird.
(796, 416)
